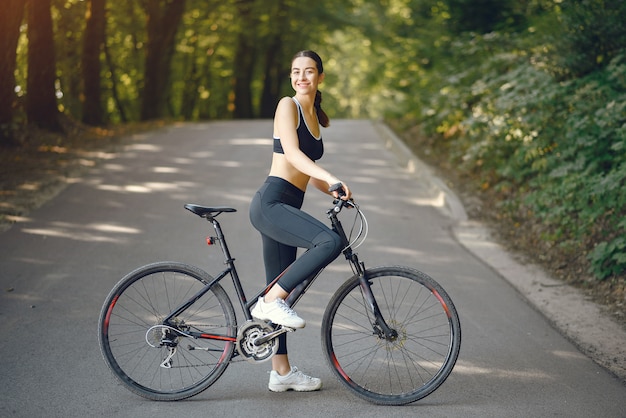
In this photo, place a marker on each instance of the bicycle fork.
(380, 326)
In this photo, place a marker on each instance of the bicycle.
(168, 330)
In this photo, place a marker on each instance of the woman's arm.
(320, 185)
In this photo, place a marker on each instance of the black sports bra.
(313, 147)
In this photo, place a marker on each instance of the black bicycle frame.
(379, 324)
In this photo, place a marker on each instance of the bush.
(559, 144)
(593, 33)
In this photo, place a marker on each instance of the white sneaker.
(277, 312)
(294, 380)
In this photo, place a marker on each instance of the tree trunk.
(276, 72)
(242, 81)
(273, 75)
(41, 106)
(92, 48)
(10, 20)
(243, 66)
(164, 17)
(189, 96)
(114, 88)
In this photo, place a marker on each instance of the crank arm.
(272, 335)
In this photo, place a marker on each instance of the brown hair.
(321, 115)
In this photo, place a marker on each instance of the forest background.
(519, 104)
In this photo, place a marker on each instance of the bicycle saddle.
(207, 211)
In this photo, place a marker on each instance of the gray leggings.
(275, 212)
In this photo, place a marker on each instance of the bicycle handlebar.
(339, 203)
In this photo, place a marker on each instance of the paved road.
(57, 266)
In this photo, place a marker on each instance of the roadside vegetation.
(533, 120)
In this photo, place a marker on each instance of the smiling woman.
(275, 211)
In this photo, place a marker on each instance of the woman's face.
(304, 75)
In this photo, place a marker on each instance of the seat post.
(222, 239)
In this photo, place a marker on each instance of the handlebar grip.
(337, 187)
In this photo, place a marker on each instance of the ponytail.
(322, 117)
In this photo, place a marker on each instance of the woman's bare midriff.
(283, 169)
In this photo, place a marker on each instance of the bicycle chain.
(232, 360)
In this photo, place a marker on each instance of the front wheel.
(406, 367)
(162, 362)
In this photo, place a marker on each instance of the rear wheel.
(400, 370)
(160, 362)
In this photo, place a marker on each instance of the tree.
(41, 106)
(164, 17)
(484, 16)
(243, 67)
(10, 20)
(93, 43)
(593, 33)
(271, 79)
(124, 56)
(276, 68)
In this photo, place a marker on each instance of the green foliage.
(593, 33)
(485, 16)
(559, 145)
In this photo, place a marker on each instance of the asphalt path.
(58, 265)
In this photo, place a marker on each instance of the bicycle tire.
(392, 372)
(129, 333)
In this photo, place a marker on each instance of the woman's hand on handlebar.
(340, 190)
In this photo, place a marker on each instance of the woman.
(275, 211)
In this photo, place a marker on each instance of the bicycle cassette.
(248, 334)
